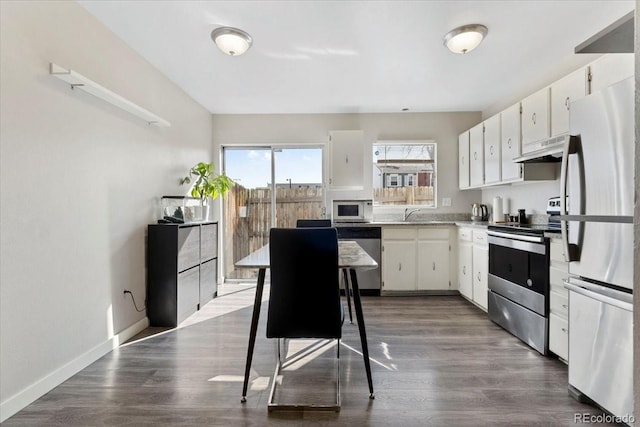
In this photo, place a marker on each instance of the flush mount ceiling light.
(465, 38)
(232, 41)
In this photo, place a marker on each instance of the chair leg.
(347, 291)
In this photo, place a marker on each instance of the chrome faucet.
(408, 212)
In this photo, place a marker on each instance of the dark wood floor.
(437, 361)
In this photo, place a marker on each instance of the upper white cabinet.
(347, 159)
(535, 119)
(610, 69)
(563, 92)
(463, 160)
(492, 147)
(510, 136)
(476, 153)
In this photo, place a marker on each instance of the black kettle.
(479, 212)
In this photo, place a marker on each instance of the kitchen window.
(404, 173)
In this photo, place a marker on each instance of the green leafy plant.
(207, 182)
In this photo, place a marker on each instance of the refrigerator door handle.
(571, 252)
(610, 298)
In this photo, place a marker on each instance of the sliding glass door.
(275, 186)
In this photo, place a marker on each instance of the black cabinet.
(182, 261)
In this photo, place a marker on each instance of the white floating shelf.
(78, 81)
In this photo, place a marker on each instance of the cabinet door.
(347, 157)
(563, 92)
(492, 150)
(610, 69)
(559, 336)
(480, 275)
(476, 148)
(510, 135)
(208, 281)
(188, 247)
(463, 160)
(433, 259)
(465, 268)
(188, 293)
(535, 118)
(208, 242)
(399, 265)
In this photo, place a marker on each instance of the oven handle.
(516, 236)
(509, 242)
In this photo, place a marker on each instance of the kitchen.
(441, 127)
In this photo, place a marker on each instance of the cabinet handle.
(462, 160)
(346, 159)
(509, 143)
(478, 276)
(564, 330)
(399, 266)
(464, 270)
(565, 306)
(475, 155)
(434, 266)
(566, 102)
(533, 118)
(491, 150)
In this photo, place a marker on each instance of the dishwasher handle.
(600, 293)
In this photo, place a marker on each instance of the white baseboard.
(27, 396)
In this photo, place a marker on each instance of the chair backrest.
(314, 223)
(304, 298)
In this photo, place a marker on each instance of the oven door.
(519, 269)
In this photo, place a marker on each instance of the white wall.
(444, 128)
(80, 180)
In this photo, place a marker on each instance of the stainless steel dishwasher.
(369, 238)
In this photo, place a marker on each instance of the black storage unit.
(182, 267)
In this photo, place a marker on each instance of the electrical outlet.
(446, 201)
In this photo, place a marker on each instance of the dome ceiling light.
(465, 38)
(232, 41)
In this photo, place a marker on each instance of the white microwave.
(352, 210)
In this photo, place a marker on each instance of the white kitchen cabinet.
(399, 259)
(416, 259)
(347, 159)
(465, 262)
(610, 69)
(563, 92)
(476, 153)
(510, 136)
(558, 301)
(480, 268)
(535, 119)
(433, 259)
(463, 160)
(492, 150)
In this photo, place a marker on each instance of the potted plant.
(207, 184)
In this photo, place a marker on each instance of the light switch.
(446, 201)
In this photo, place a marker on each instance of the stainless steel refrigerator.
(597, 228)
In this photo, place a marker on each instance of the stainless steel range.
(519, 282)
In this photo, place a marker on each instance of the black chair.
(304, 299)
(316, 223)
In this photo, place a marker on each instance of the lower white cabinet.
(473, 265)
(480, 268)
(416, 259)
(558, 301)
(465, 262)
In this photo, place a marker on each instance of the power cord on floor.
(134, 301)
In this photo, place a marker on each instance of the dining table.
(351, 258)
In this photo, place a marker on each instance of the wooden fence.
(404, 196)
(248, 219)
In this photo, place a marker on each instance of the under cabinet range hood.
(548, 150)
(616, 38)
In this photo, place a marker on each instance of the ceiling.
(356, 56)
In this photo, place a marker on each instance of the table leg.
(363, 333)
(254, 329)
(347, 292)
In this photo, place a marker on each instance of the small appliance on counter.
(479, 212)
(352, 210)
(497, 210)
